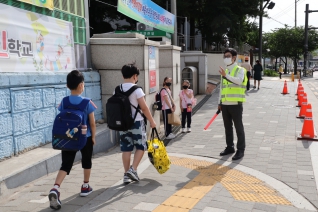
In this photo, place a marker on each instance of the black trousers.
(248, 80)
(168, 129)
(280, 75)
(69, 156)
(186, 116)
(233, 114)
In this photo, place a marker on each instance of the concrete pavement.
(278, 172)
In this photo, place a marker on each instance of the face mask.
(227, 61)
(185, 87)
(168, 84)
(136, 82)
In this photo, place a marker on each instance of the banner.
(147, 12)
(152, 69)
(31, 42)
(41, 3)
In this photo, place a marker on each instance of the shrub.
(270, 73)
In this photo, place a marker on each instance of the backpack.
(70, 127)
(158, 103)
(118, 110)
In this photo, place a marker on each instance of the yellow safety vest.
(232, 92)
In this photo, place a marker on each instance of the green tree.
(289, 42)
(227, 18)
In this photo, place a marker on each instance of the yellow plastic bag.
(157, 153)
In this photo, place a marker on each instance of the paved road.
(276, 174)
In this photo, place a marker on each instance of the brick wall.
(28, 104)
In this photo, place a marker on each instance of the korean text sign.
(149, 13)
(30, 42)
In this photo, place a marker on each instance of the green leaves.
(290, 42)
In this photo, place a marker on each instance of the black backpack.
(118, 110)
(158, 102)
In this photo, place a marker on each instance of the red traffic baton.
(212, 119)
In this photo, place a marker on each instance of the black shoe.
(238, 155)
(228, 150)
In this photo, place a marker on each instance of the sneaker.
(254, 86)
(54, 198)
(189, 129)
(170, 136)
(126, 179)
(183, 130)
(132, 174)
(86, 190)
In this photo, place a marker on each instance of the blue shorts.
(135, 137)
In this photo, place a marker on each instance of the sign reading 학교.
(149, 13)
(31, 42)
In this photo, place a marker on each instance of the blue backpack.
(70, 127)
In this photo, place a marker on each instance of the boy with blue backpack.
(82, 109)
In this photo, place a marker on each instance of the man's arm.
(238, 79)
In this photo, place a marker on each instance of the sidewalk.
(278, 172)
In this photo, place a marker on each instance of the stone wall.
(28, 106)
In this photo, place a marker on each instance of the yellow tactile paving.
(165, 208)
(241, 186)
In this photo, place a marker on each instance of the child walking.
(75, 82)
(136, 136)
(186, 96)
(168, 106)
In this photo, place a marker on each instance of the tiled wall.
(28, 107)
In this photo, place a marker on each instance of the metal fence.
(198, 43)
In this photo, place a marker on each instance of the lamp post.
(270, 5)
(306, 36)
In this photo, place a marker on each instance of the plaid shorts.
(135, 137)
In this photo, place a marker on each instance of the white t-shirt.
(185, 100)
(163, 101)
(137, 94)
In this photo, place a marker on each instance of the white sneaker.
(183, 130)
(170, 136)
(132, 174)
(126, 179)
(189, 130)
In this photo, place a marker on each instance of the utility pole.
(174, 11)
(306, 36)
(269, 5)
(295, 14)
(306, 39)
(186, 33)
(260, 32)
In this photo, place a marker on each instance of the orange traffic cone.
(299, 85)
(300, 93)
(285, 90)
(302, 98)
(308, 131)
(303, 109)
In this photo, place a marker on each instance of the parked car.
(315, 68)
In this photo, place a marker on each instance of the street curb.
(44, 166)
(290, 194)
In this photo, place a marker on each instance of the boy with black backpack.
(72, 105)
(125, 111)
